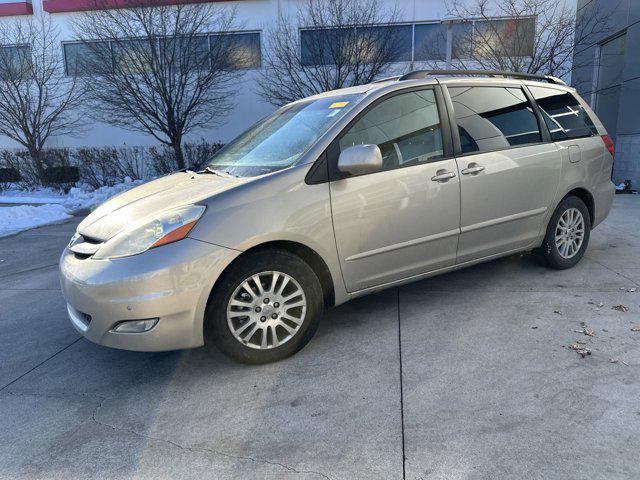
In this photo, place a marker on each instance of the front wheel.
(567, 234)
(265, 308)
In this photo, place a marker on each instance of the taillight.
(609, 144)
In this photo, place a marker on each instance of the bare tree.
(156, 69)
(329, 44)
(531, 36)
(37, 99)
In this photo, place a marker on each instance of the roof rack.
(388, 79)
(487, 73)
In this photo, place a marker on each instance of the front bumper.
(171, 283)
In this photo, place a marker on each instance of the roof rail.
(388, 79)
(487, 73)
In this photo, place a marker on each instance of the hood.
(164, 193)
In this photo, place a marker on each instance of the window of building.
(563, 114)
(15, 61)
(419, 42)
(513, 37)
(493, 118)
(330, 46)
(189, 52)
(430, 42)
(609, 82)
(327, 46)
(243, 51)
(391, 42)
(461, 39)
(406, 128)
(132, 56)
(86, 59)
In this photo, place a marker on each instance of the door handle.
(472, 169)
(443, 176)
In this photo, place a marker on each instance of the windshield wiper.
(220, 173)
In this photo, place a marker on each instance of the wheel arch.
(584, 195)
(305, 253)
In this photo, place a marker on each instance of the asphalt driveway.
(466, 375)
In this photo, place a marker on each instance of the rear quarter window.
(564, 115)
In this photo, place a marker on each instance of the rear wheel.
(567, 234)
(265, 308)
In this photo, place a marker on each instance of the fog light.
(135, 326)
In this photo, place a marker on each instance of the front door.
(508, 176)
(403, 220)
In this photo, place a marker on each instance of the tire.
(565, 253)
(256, 317)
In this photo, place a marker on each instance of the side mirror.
(360, 159)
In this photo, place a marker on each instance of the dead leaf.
(621, 308)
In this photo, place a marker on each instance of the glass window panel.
(608, 108)
(87, 58)
(461, 39)
(611, 62)
(512, 37)
(405, 127)
(430, 42)
(133, 55)
(327, 46)
(15, 61)
(239, 50)
(190, 52)
(281, 139)
(563, 114)
(390, 43)
(493, 118)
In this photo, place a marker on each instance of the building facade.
(420, 24)
(607, 75)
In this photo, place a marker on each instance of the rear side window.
(563, 114)
(493, 118)
(406, 128)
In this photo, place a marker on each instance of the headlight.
(166, 227)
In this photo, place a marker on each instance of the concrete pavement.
(466, 373)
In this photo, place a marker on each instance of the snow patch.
(25, 217)
(57, 208)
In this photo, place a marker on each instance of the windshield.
(279, 140)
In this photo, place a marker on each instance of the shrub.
(195, 156)
(9, 175)
(98, 166)
(64, 176)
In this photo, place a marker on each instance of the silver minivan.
(336, 196)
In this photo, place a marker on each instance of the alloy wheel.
(266, 310)
(569, 234)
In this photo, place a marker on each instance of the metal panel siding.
(9, 8)
(58, 6)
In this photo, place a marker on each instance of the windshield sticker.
(338, 104)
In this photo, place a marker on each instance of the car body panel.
(172, 284)
(504, 205)
(275, 207)
(394, 224)
(166, 192)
